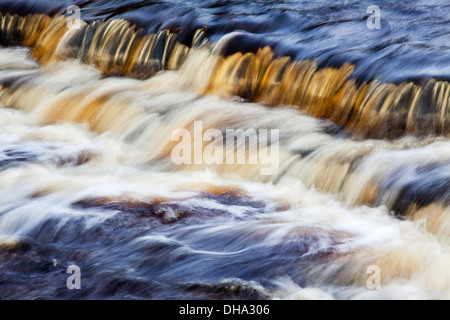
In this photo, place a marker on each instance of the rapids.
(87, 175)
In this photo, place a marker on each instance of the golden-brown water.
(87, 178)
(368, 109)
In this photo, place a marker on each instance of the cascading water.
(87, 117)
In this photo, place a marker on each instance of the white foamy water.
(86, 177)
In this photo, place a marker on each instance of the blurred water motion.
(86, 118)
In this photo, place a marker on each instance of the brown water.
(87, 176)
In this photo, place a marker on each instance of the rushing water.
(87, 177)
